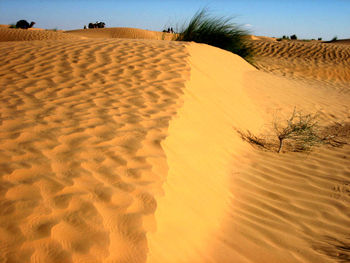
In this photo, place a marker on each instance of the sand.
(326, 62)
(121, 32)
(11, 34)
(116, 149)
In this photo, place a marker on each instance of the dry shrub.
(299, 133)
(300, 129)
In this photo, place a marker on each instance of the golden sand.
(121, 32)
(12, 34)
(124, 150)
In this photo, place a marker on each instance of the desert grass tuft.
(220, 32)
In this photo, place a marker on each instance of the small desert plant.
(12, 26)
(216, 31)
(293, 37)
(320, 38)
(299, 133)
(334, 39)
(301, 129)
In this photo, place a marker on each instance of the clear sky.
(305, 18)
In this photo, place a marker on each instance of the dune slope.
(199, 152)
(81, 162)
(323, 62)
(224, 200)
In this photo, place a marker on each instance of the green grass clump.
(220, 32)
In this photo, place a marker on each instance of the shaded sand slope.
(199, 152)
(292, 207)
(13, 34)
(314, 61)
(121, 32)
(227, 202)
(81, 162)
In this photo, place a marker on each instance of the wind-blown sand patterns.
(81, 123)
(120, 150)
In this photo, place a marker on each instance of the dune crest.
(13, 34)
(121, 32)
(199, 151)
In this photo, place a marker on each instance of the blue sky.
(305, 18)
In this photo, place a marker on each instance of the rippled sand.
(125, 150)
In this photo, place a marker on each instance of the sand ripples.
(81, 125)
(305, 60)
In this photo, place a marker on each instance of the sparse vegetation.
(216, 31)
(299, 133)
(12, 26)
(334, 39)
(301, 129)
(293, 37)
(320, 38)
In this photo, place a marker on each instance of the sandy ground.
(125, 150)
(121, 32)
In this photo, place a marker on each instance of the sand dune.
(124, 150)
(121, 32)
(12, 34)
(340, 41)
(314, 61)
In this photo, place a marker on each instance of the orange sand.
(124, 150)
(121, 32)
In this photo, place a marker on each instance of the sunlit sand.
(119, 145)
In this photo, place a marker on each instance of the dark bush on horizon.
(293, 37)
(216, 31)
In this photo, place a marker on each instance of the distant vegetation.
(97, 25)
(292, 37)
(220, 32)
(334, 39)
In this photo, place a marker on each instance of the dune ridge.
(13, 34)
(199, 154)
(121, 32)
